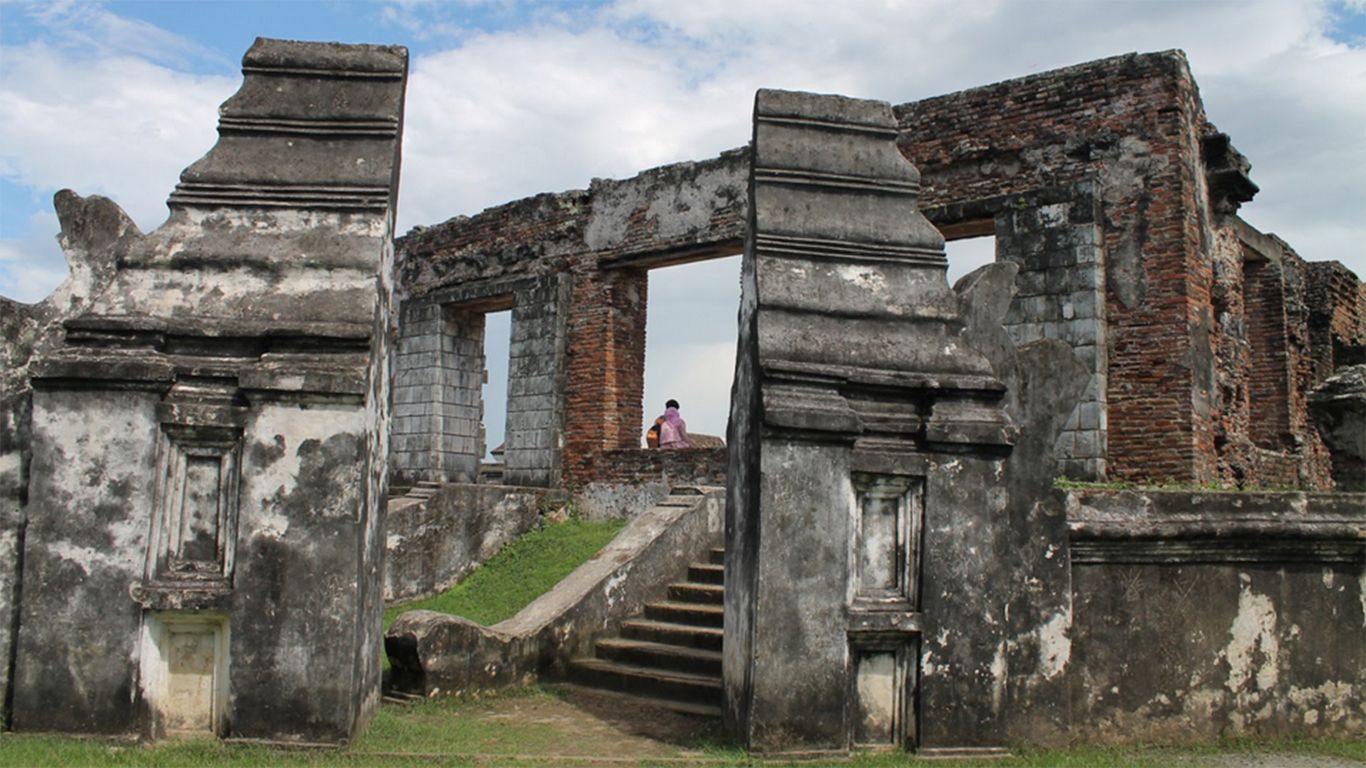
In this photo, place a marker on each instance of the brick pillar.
(605, 378)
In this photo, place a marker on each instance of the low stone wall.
(627, 482)
(1199, 616)
(431, 544)
(433, 653)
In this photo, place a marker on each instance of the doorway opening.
(493, 395)
(690, 334)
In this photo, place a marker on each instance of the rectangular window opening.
(967, 252)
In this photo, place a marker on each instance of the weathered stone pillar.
(1338, 408)
(867, 442)
(206, 497)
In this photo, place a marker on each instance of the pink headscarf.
(679, 426)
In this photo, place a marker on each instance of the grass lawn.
(538, 726)
(522, 571)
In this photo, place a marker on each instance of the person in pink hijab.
(673, 431)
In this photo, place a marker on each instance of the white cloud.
(89, 27)
(31, 267)
(118, 126)
(507, 116)
(558, 95)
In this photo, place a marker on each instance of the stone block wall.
(437, 416)
(1053, 236)
(536, 378)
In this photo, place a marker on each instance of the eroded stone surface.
(866, 435)
(1338, 407)
(208, 438)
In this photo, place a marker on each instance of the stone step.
(401, 697)
(689, 592)
(644, 681)
(686, 707)
(672, 633)
(642, 653)
(699, 614)
(707, 573)
(677, 500)
(425, 489)
(716, 556)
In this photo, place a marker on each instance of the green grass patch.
(522, 571)
(489, 729)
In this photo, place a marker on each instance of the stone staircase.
(671, 655)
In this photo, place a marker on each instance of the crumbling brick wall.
(1104, 182)
(1119, 121)
(1181, 347)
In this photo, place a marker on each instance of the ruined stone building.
(198, 436)
(1104, 182)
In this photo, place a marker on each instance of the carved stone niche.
(194, 524)
(884, 608)
(888, 518)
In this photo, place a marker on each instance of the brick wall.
(678, 466)
(1268, 376)
(1175, 343)
(1120, 123)
(1337, 317)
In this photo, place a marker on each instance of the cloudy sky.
(510, 98)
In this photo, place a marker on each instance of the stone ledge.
(1198, 526)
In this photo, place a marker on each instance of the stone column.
(867, 442)
(207, 487)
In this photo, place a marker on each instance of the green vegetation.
(533, 726)
(521, 572)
